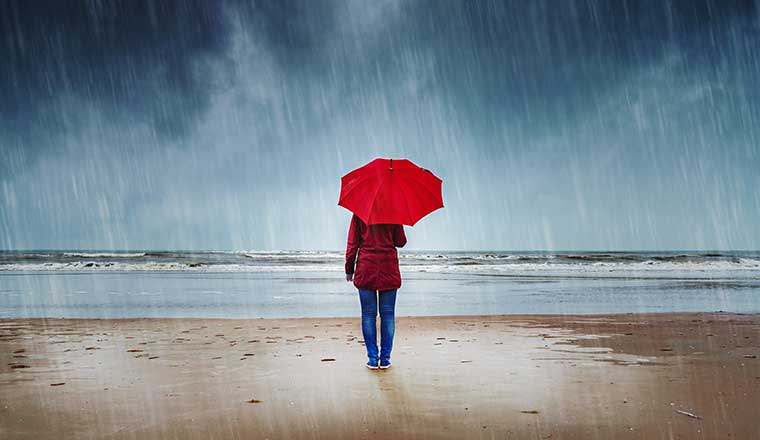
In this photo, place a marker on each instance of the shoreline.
(454, 376)
(514, 316)
(505, 315)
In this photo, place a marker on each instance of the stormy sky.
(559, 125)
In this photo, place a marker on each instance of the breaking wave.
(488, 263)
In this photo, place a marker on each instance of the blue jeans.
(369, 303)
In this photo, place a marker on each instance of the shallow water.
(325, 293)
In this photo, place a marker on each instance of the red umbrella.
(391, 192)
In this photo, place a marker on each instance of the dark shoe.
(385, 363)
(371, 366)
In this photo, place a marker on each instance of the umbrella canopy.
(387, 191)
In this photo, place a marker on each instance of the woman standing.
(377, 277)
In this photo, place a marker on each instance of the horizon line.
(404, 249)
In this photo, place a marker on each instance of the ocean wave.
(104, 254)
(750, 265)
(111, 266)
(498, 263)
(294, 256)
(423, 257)
(653, 266)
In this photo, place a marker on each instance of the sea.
(288, 284)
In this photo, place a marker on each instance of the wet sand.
(665, 376)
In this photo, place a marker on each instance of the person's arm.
(352, 246)
(399, 237)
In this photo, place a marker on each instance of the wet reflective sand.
(622, 376)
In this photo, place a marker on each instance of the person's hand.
(349, 277)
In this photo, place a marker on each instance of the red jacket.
(377, 262)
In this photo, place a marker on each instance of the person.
(372, 265)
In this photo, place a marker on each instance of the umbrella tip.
(391, 168)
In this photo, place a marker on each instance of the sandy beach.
(661, 376)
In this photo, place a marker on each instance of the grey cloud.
(553, 124)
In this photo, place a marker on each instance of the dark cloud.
(246, 100)
(144, 59)
(542, 63)
(549, 61)
(138, 60)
